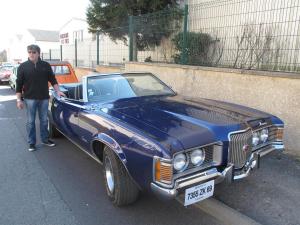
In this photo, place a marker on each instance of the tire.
(123, 191)
(53, 132)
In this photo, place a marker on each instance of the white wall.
(17, 47)
(74, 25)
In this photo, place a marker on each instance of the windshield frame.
(85, 80)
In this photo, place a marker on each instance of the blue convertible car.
(149, 138)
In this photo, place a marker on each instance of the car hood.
(186, 121)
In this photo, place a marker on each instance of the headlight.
(180, 162)
(264, 134)
(255, 139)
(197, 157)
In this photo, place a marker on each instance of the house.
(75, 28)
(111, 52)
(46, 39)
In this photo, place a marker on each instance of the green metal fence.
(151, 35)
(243, 34)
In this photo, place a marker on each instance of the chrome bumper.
(254, 160)
(228, 175)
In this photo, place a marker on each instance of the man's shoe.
(49, 143)
(31, 147)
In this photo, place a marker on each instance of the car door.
(65, 116)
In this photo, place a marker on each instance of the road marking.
(222, 212)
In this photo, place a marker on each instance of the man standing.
(32, 80)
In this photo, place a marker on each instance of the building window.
(78, 35)
(64, 38)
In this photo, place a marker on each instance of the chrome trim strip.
(84, 89)
(171, 193)
(263, 127)
(279, 125)
(236, 132)
(202, 146)
(74, 104)
(266, 151)
(256, 155)
(206, 175)
(274, 146)
(237, 177)
(164, 193)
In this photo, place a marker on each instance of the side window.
(61, 70)
(74, 92)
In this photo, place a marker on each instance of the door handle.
(75, 115)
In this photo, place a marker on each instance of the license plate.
(199, 192)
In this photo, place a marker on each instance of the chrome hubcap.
(109, 175)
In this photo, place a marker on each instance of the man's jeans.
(40, 106)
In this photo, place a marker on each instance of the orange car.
(64, 73)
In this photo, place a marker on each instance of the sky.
(18, 15)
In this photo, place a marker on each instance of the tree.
(201, 49)
(152, 20)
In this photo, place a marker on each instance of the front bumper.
(228, 175)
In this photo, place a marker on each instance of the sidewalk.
(27, 194)
(271, 194)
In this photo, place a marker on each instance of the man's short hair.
(34, 48)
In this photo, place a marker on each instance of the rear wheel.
(53, 132)
(120, 188)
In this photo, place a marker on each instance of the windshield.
(112, 87)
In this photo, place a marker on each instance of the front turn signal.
(163, 172)
(279, 134)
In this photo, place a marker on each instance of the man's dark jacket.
(32, 79)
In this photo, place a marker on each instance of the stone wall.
(276, 93)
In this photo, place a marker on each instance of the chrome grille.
(237, 155)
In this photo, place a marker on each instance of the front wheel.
(120, 188)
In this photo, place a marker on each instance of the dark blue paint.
(142, 127)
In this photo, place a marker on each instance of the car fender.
(112, 144)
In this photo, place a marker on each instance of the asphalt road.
(62, 185)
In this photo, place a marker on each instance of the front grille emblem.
(246, 148)
(262, 123)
